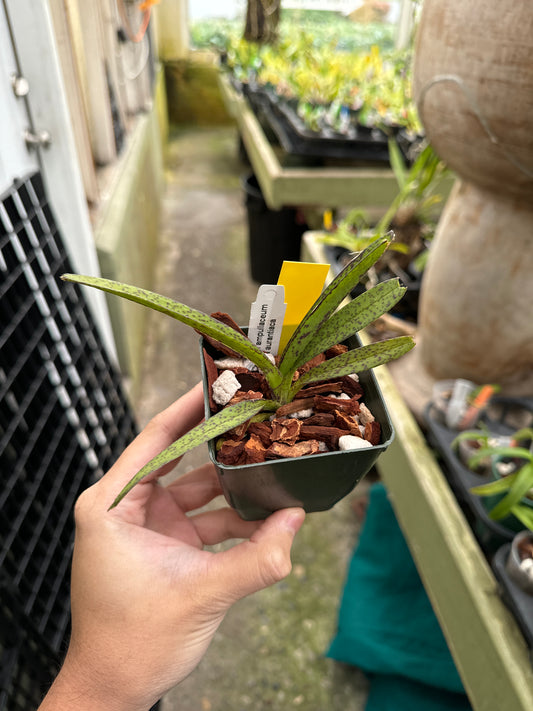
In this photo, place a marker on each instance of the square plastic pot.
(314, 482)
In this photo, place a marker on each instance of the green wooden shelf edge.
(486, 643)
(371, 188)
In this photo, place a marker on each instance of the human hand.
(146, 598)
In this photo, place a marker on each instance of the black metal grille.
(64, 419)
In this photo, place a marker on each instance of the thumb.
(263, 560)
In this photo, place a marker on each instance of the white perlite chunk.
(302, 414)
(225, 387)
(339, 396)
(365, 415)
(229, 362)
(352, 442)
(527, 566)
(354, 376)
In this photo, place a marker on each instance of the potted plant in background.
(467, 453)
(508, 499)
(321, 478)
(412, 217)
(519, 564)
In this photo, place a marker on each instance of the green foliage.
(225, 420)
(417, 185)
(514, 486)
(321, 327)
(322, 26)
(418, 191)
(322, 79)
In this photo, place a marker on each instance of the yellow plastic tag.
(303, 282)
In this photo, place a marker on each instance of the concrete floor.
(269, 652)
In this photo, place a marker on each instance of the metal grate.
(64, 419)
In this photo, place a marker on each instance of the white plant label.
(266, 317)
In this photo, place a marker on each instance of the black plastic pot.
(273, 235)
(315, 482)
(518, 600)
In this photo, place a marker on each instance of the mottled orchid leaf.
(295, 353)
(223, 421)
(191, 317)
(356, 361)
(356, 315)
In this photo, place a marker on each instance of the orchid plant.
(324, 325)
(512, 487)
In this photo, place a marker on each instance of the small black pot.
(274, 236)
(519, 601)
(315, 482)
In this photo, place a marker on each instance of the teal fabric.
(394, 693)
(386, 624)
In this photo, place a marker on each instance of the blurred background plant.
(372, 85)
(320, 59)
(216, 33)
(510, 493)
(412, 215)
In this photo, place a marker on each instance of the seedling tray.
(491, 534)
(296, 139)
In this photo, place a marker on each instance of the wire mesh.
(64, 419)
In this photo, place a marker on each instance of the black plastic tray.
(362, 144)
(519, 602)
(296, 139)
(490, 534)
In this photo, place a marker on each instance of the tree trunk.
(262, 19)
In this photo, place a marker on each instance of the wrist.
(79, 688)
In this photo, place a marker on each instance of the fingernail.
(295, 518)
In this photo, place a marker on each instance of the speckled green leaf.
(295, 353)
(191, 317)
(356, 361)
(223, 421)
(356, 315)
